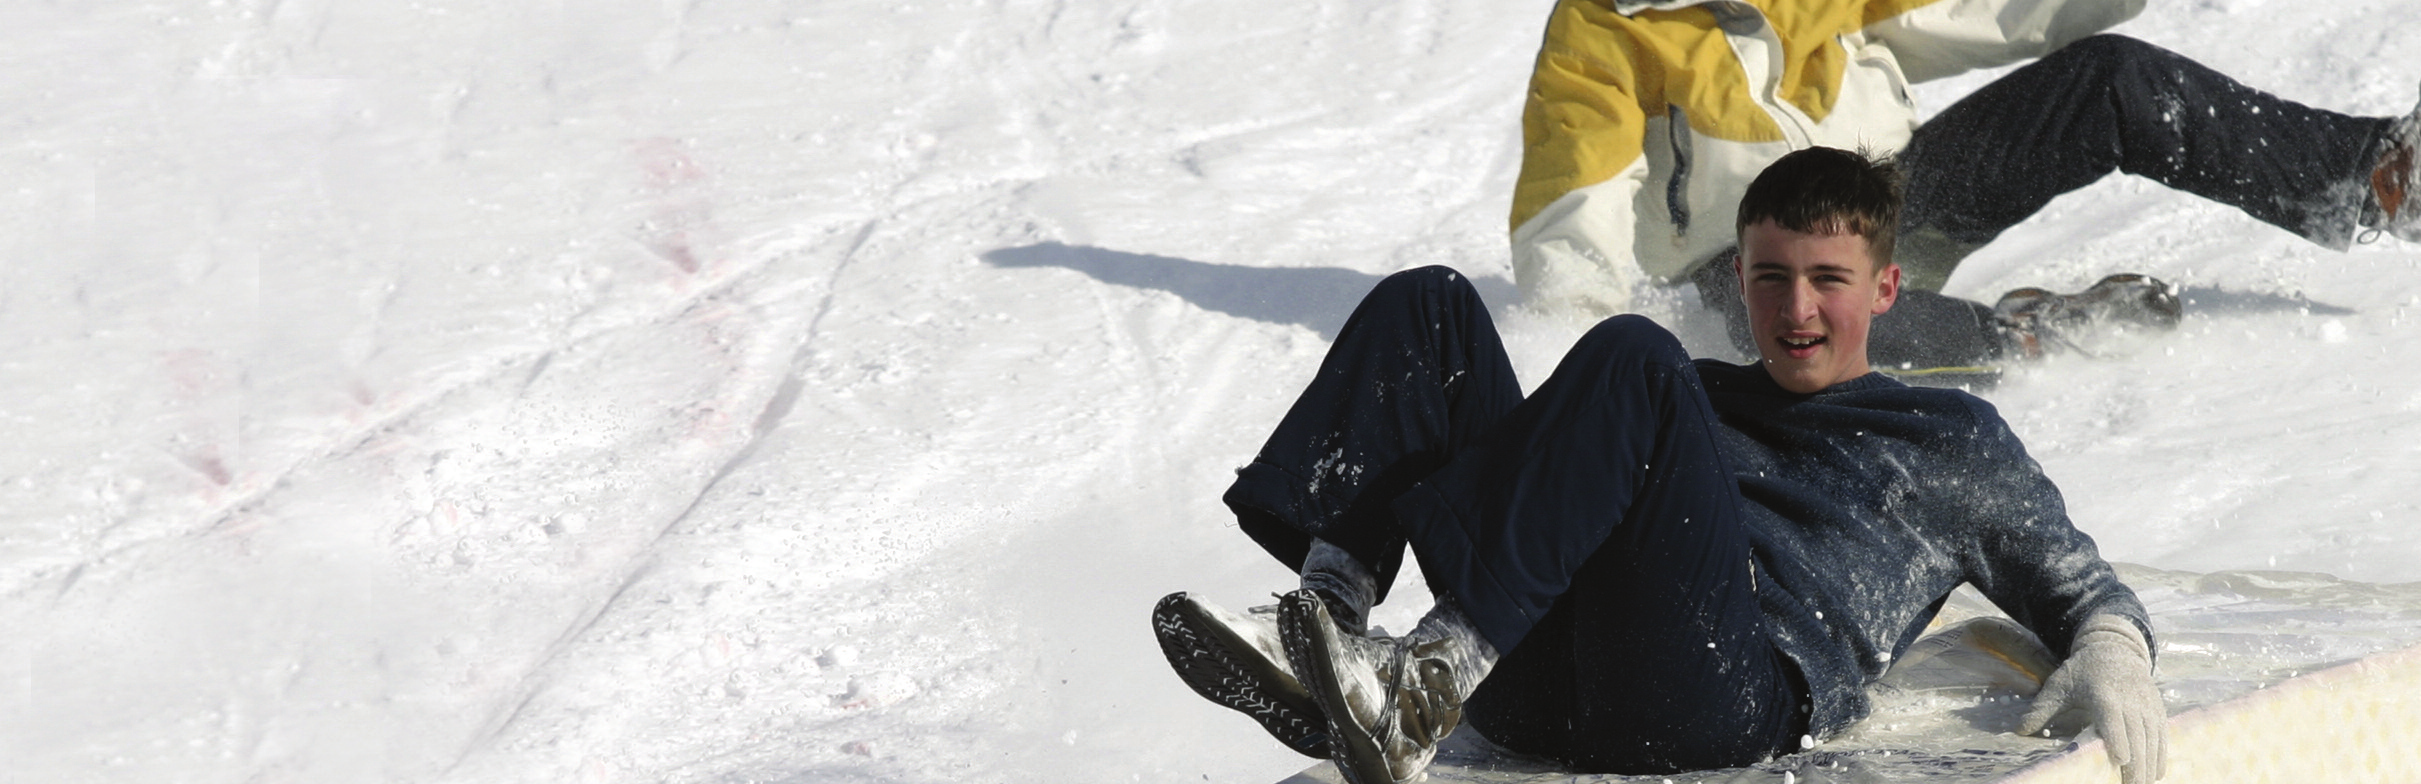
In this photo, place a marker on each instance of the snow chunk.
(876, 690)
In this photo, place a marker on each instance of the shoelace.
(1424, 688)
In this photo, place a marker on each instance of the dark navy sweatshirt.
(1870, 501)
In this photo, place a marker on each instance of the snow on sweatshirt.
(1870, 501)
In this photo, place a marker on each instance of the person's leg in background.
(2112, 103)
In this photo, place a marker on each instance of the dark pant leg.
(1596, 537)
(1613, 682)
(1925, 330)
(1417, 373)
(2109, 102)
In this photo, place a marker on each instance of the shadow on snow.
(1318, 298)
(2217, 301)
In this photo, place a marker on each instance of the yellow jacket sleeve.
(1582, 121)
(1583, 131)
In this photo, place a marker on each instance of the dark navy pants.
(2102, 104)
(1591, 531)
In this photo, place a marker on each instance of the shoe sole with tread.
(1223, 669)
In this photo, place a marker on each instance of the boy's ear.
(1887, 282)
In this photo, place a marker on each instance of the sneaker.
(1237, 661)
(1388, 701)
(2395, 205)
(2038, 322)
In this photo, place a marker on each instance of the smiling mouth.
(1802, 347)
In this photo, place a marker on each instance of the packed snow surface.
(745, 390)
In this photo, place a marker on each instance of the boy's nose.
(1803, 302)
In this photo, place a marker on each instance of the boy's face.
(1810, 298)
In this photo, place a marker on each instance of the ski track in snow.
(759, 391)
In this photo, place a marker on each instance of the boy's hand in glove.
(2108, 679)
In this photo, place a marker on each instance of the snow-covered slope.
(743, 390)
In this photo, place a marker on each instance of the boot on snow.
(2395, 192)
(1238, 661)
(2038, 322)
(1388, 701)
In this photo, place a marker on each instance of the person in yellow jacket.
(1646, 120)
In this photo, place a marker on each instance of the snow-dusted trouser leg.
(1596, 537)
(2111, 103)
(1416, 375)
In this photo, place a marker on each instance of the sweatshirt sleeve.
(2026, 556)
(1933, 39)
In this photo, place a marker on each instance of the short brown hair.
(1823, 190)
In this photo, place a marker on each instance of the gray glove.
(2108, 679)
